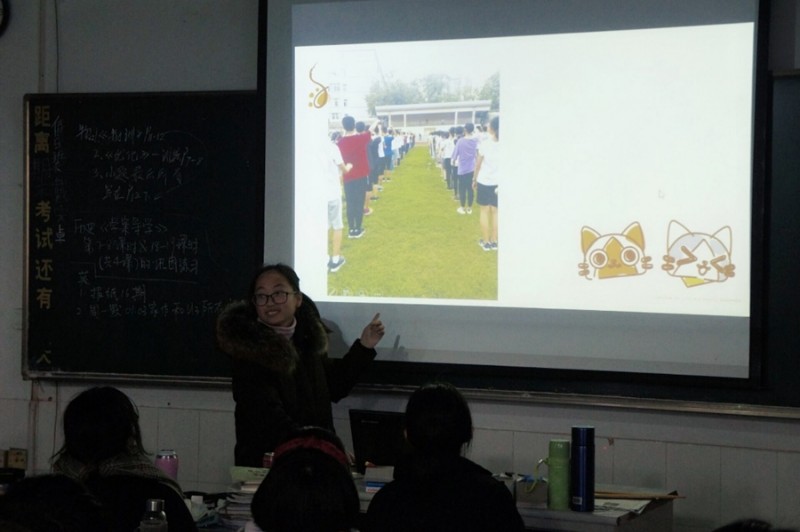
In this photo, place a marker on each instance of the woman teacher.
(282, 376)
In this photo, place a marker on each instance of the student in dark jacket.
(51, 503)
(103, 450)
(282, 376)
(434, 487)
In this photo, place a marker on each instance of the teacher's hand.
(373, 332)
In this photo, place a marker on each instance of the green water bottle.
(557, 474)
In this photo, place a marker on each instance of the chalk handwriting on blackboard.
(134, 164)
(115, 257)
(144, 217)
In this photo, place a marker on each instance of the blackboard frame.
(192, 163)
(770, 391)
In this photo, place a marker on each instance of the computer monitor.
(378, 437)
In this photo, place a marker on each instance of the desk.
(657, 517)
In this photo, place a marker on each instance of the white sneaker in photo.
(335, 266)
(461, 210)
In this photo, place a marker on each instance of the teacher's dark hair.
(283, 269)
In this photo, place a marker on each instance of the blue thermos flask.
(582, 469)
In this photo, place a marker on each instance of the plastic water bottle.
(167, 461)
(154, 518)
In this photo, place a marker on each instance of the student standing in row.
(446, 149)
(464, 157)
(353, 146)
(485, 181)
(333, 169)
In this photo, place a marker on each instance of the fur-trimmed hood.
(243, 337)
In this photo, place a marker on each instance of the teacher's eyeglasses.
(279, 298)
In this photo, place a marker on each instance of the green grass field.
(415, 244)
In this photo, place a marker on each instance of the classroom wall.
(727, 466)
(784, 26)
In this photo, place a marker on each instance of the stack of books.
(375, 477)
(235, 513)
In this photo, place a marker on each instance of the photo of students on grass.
(416, 241)
(408, 206)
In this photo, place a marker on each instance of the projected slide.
(623, 166)
(613, 226)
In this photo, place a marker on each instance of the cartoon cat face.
(614, 254)
(698, 258)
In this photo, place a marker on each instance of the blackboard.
(144, 215)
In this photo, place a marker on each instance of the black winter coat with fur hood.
(280, 384)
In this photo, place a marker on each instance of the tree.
(394, 93)
(433, 88)
(491, 91)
